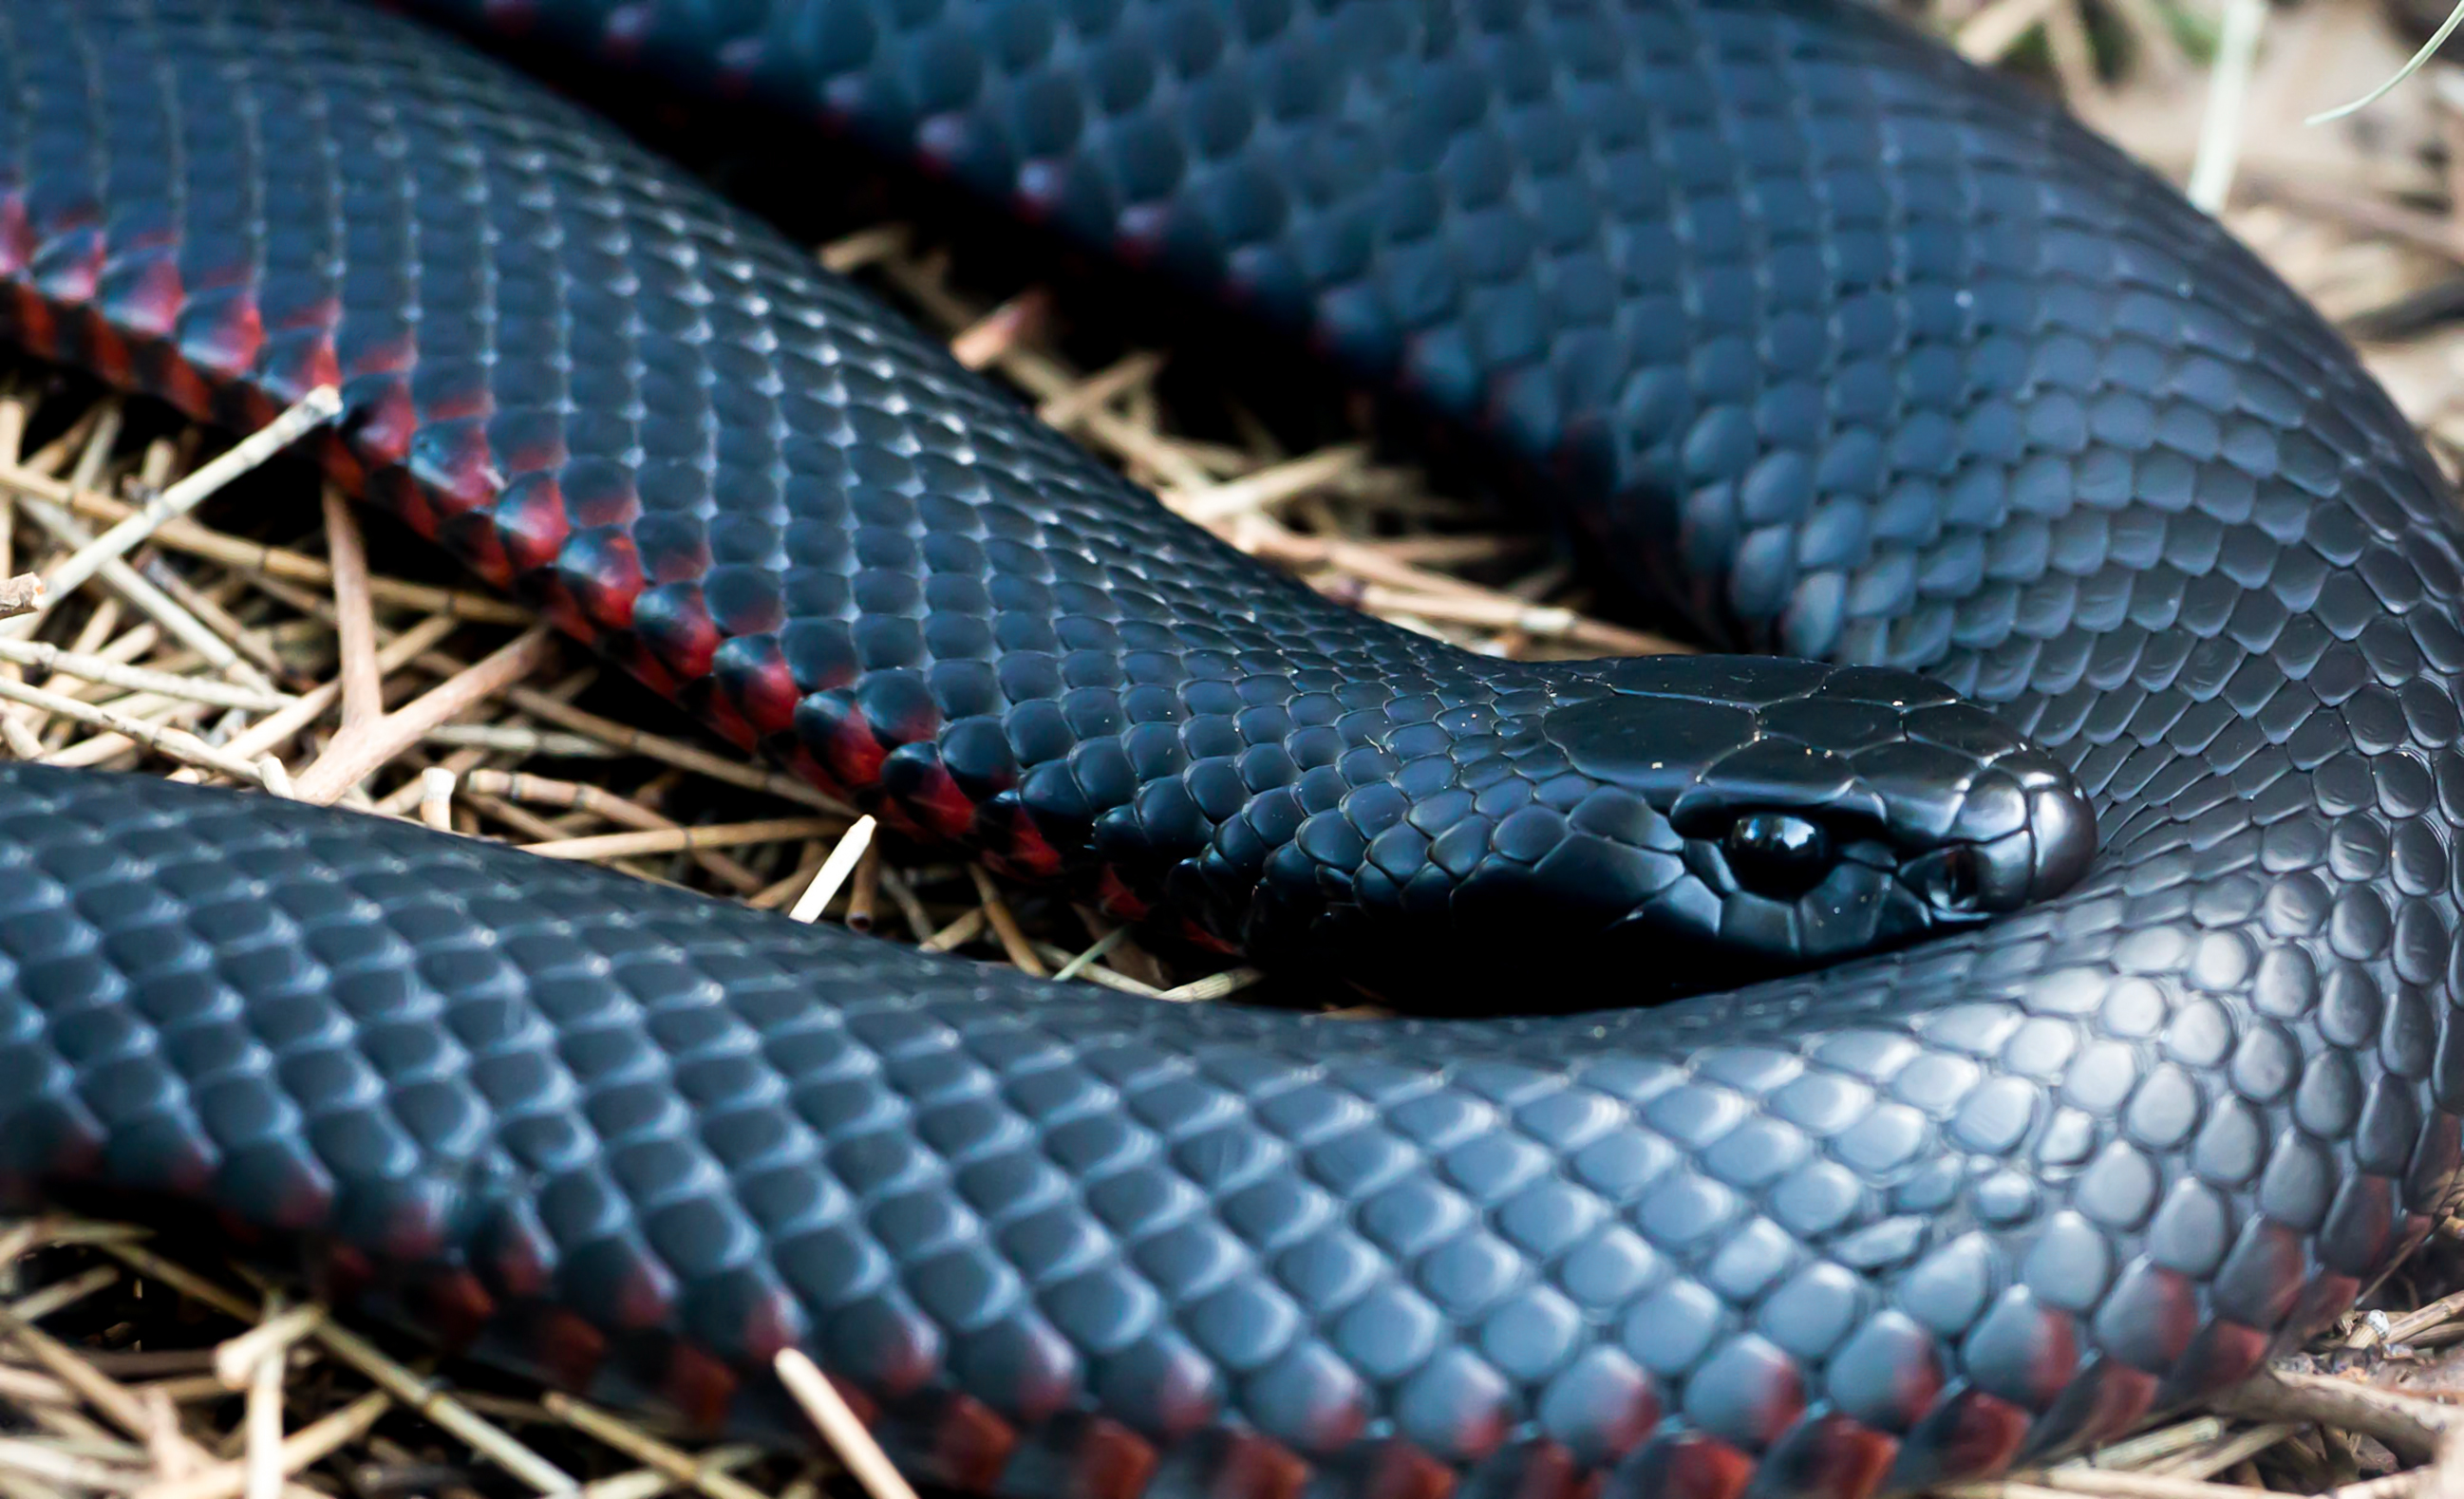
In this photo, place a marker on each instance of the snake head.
(1815, 813)
(1661, 825)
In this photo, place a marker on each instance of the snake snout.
(2023, 833)
(2062, 823)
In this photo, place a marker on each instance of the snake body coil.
(1901, 369)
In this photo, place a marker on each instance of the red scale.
(17, 235)
(939, 806)
(767, 696)
(454, 1308)
(459, 475)
(1696, 1467)
(687, 638)
(2222, 1357)
(531, 524)
(1848, 1460)
(521, 1258)
(221, 330)
(1549, 1472)
(971, 1444)
(1404, 1472)
(1986, 1432)
(1017, 845)
(645, 1297)
(699, 1385)
(107, 352)
(610, 582)
(306, 1201)
(1112, 1461)
(1258, 1468)
(146, 296)
(567, 1348)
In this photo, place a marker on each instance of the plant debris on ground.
(207, 618)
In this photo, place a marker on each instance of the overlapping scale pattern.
(1061, 1240)
(1900, 367)
(1894, 362)
(771, 499)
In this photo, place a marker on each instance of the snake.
(2019, 1006)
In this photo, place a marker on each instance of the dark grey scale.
(1901, 369)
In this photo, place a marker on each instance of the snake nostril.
(1951, 881)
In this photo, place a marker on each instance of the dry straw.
(194, 637)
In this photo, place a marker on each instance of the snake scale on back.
(1897, 368)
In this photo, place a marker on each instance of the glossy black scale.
(1905, 370)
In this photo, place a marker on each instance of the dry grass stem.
(852, 845)
(285, 565)
(176, 743)
(436, 798)
(2220, 133)
(431, 1400)
(1102, 947)
(355, 622)
(357, 753)
(186, 686)
(682, 1467)
(263, 1472)
(838, 1425)
(629, 741)
(153, 602)
(310, 1445)
(649, 1482)
(272, 1340)
(678, 840)
(1004, 924)
(312, 411)
(865, 894)
(248, 636)
(1003, 330)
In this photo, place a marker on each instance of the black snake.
(1891, 365)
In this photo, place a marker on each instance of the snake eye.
(1777, 854)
